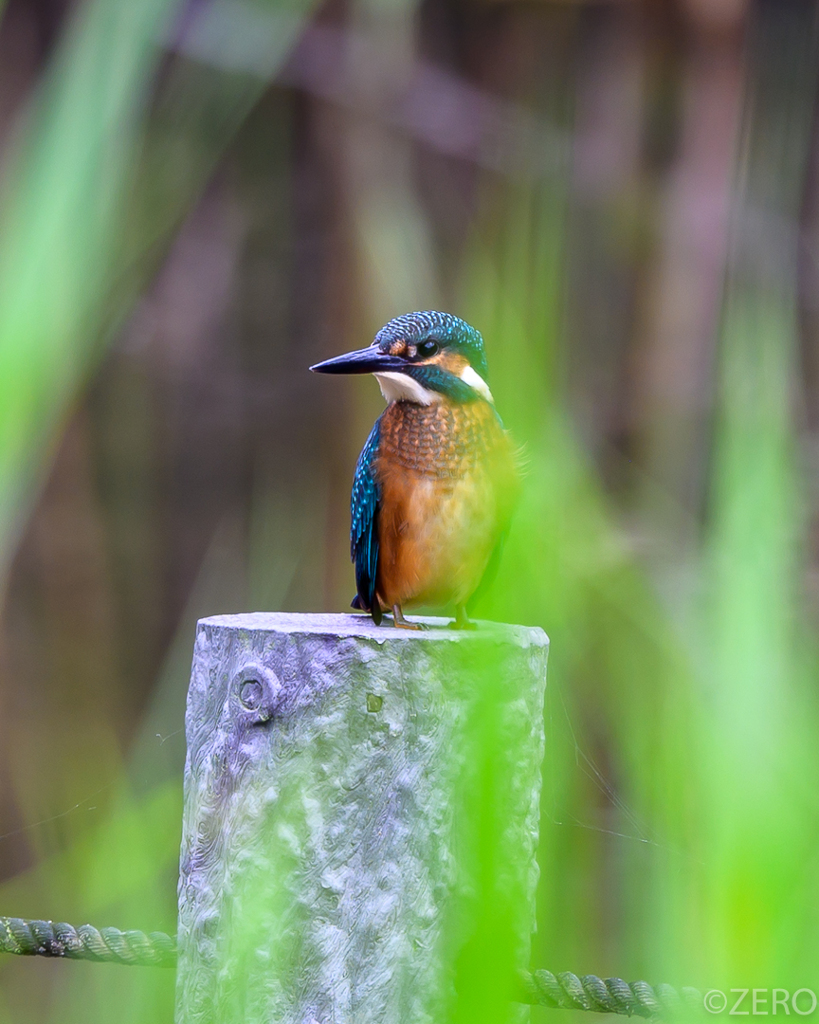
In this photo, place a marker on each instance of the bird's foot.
(400, 622)
(462, 620)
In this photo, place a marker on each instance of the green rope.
(104, 945)
(156, 949)
(607, 995)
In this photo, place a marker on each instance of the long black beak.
(364, 360)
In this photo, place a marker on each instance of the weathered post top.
(361, 818)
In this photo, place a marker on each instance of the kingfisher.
(436, 482)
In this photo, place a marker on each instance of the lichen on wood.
(361, 820)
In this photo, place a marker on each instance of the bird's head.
(421, 357)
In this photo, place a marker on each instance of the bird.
(437, 481)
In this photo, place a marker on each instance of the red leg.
(462, 620)
(400, 621)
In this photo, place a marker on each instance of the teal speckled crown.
(435, 326)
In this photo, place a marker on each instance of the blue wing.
(364, 530)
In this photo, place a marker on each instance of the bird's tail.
(359, 606)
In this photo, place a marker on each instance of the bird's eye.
(427, 348)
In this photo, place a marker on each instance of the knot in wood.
(258, 691)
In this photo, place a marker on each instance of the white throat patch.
(477, 383)
(399, 387)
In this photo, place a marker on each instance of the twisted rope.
(104, 945)
(608, 995)
(156, 949)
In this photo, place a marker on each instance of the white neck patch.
(477, 383)
(400, 387)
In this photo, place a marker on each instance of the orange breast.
(448, 484)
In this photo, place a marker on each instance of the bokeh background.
(198, 200)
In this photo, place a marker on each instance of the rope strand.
(156, 949)
(608, 995)
(103, 945)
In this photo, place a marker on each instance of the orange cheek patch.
(452, 362)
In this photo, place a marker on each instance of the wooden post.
(361, 820)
